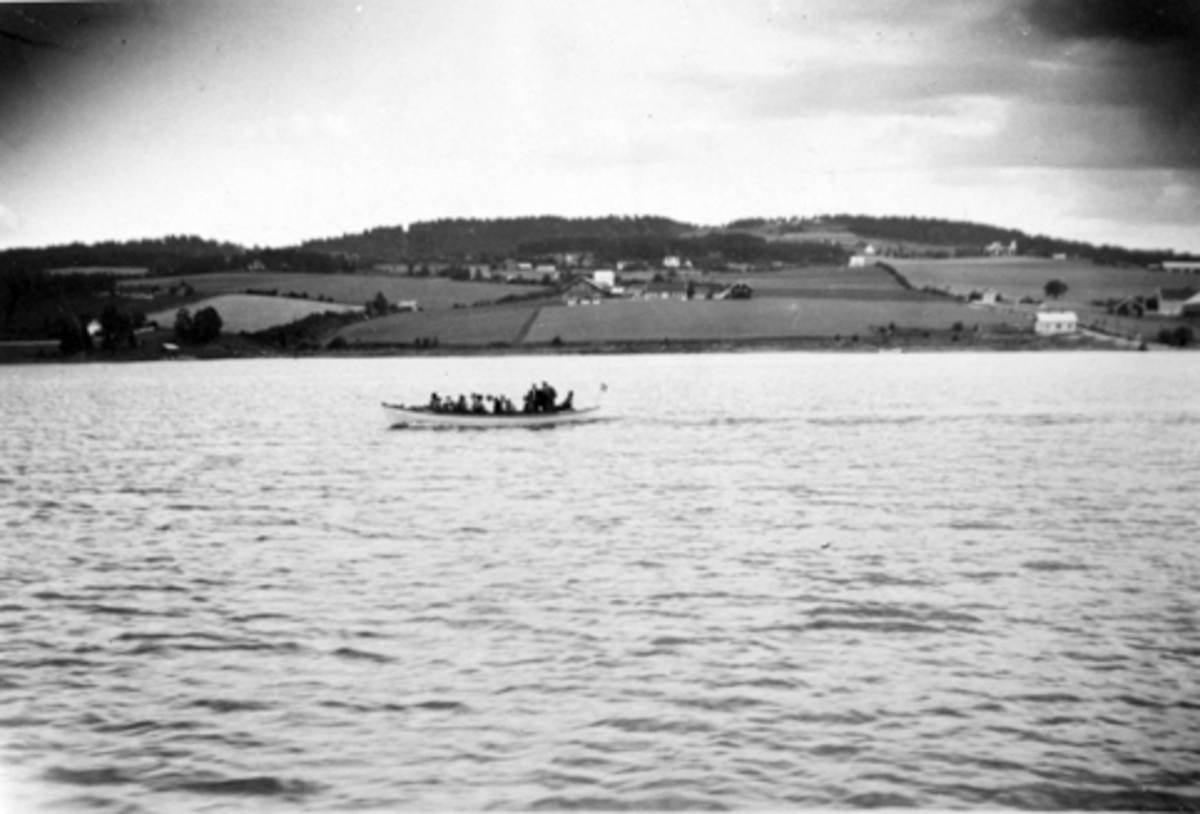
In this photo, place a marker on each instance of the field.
(431, 293)
(461, 327)
(818, 303)
(830, 282)
(249, 313)
(114, 271)
(1016, 277)
(632, 321)
(674, 320)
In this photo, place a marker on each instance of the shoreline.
(241, 348)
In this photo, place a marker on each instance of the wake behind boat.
(400, 415)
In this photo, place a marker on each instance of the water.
(766, 581)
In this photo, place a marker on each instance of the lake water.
(763, 581)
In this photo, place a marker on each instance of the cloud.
(50, 52)
(1139, 56)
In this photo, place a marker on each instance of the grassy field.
(461, 327)
(631, 321)
(1016, 277)
(820, 303)
(115, 271)
(431, 293)
(831, 282)
(249, 313)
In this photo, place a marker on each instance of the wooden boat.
(400, 415)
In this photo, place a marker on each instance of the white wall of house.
(1182, 266)
(1056, 322)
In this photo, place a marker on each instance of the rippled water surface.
(763, 581)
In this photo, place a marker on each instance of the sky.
(268, 122)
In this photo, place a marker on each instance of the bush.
(1055, 289)
(201, 329)
(1180, 337)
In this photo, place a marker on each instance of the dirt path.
(527, 327)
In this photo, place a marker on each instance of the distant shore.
(237, 347)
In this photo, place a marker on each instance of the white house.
(858, 261)
(1050, 323)
(1173, 301)
(605, 278)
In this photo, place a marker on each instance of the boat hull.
(399, 415)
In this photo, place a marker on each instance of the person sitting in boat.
(531, 399)
(460, 406)
(435, 403)
(549, 394)
(477, 403)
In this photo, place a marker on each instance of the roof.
(1055, 316)
(1177, 293)
(666, 285)
(578, 281)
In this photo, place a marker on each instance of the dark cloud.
(47, 49)
(1143, 55)
(1144, 22)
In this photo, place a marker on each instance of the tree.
(72, 336)
(201, 329)
(1055, 289)
(207, 325)
(116, 328)
(1179, 337)
(183, 325)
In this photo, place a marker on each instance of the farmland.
(797, 303)
(830, 282)
(732, 320)
(464, 327)
(249, 313)
(634, 321)
(1017, 277)
(431, 293)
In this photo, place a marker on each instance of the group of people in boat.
(539, 399)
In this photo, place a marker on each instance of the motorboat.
(400, 415)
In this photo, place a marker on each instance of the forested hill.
(491, 239)
(606, 238)
(929, 231)
(159, 255)
(964, 236)
(499, 238)
(384, 244)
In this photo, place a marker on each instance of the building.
(1173, 301)
(1182, 266)
(1134, 306)
(1052, 323)
(605, 278)
(664, 290)
(582, 291)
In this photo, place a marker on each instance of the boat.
(400, 415)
